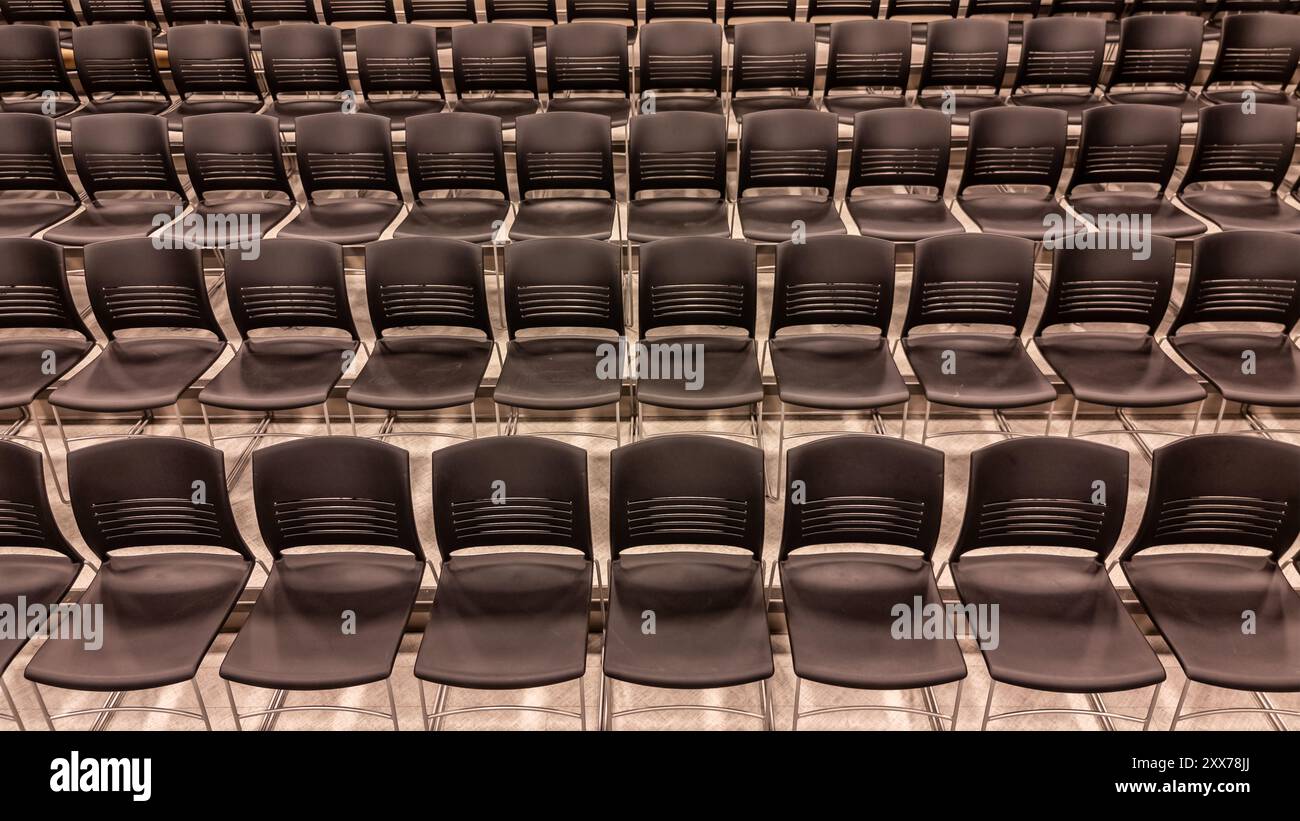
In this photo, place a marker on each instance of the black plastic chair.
(1061, 626)
(278, 12)
(1207, 492)
(33, 74)
(305, 71)
(769, 56)
(226, 155)
(589, 57)
(566, 152)
(677, 151)
(212, 68)
(161, 609)
(446, 152)
(117, 70)
(895, 148)
(788, 149)
(320, 492)
(444, 14)
(48, 12)
(508, 619)
(875, 55)
(967, 59)
(974, 279)
(1158, 50)
(397, 65)
(357, 16)
(193, 12)
(1023, 147)
(680, 56)
(490, 60)
(1257, 51)
(98, 12)
(33, 164)
(841, 605)
(1060, 65)
(709, 607)
(734, 10)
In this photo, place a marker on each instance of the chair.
(770, 56)
(842, 605)
(1158, 50)
(1014, 147)
(492, 59)
(974, 279)
(328, 491)
(1135, 145)
(1061, 626)
(225, 155)
(788, 149)
(40, 579)
(429, 284)
(98, 12)
(677, 151)
(446, 152)
(1235, 147)
(839, 10)
(680, 56)
(32, 72)
(1256, 51)
(211, 65)
(398, 69)
(681, 9)
(31, 147)
(967, 59)
(900, 148)
(449, 13)
(117, 70)
(358, 13)
(588, 57)
(305, 72)
(514, 618)
(568, 152)
(49, 12)
(278, 12)
(161, 609)
(1061, 62)
(707, 609)
(193, 12)
(867, 54)
(537, 14)
(1206, 492)
(780, 10)
(618, 11)
(1241, 277)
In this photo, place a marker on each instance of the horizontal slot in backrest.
(693, 516)
(122, 170)
(1082, 297)
(560, 169)
(1060, 68)
(806, 300)
(41, 303)
(443, 8)
(1244, 520)
(216, 169)
(986, 298)
(1241, 159)
(427, 301)
(401, 73)
(774, 70)
(686, 168)
(126, 521)
(856, 518)
(1275, 63)
(1268, 299)
(587, 304)
(127, 304)
(680, 70)
(892, 166)
(1064, 522)
(289, 304)
(684, 303)
(18, 171)
(1156, 65)
(20, 525)
(496, 72)
(30, 73)
(863, 69)
(447, 169)
(989, 164)
(534, 9)
(966, 68)
(337, 520)
(519, 518)
(787, 167)
(580, 72)
(307, 74)
(1125, 162)
(118, 73)
(361, 169)
(214, 73)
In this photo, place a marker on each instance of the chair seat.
(556, 373)
(398, 109)
(507, 109)
(125, 104)
(1122, 370)
(580, 217)
(349, 221)
(111, 219)
(421, 373)
(24, 217)
(963, 105)
(293, 639)
(836, 371)
(617, 109)
(1233, 96)
(254, 217)
(161, 613)
(992, 371)
(36, 105)
(190, 108)
(1016, 215)
(469, 219)
(1217, 356)
(903, 218)
(23, 371)
(1243, 210)
(1072, 104)
(40, 580)
(846, 106)
(508, 621)
(710, 621)
(1186, 103)
(726, 375)
(770, 218)
(741, 106)
(839, 608)
(279, 373)
(710, 104)
(1061, 625)
(663, 217)
(139, 373)
(288, 111)
(1167, 219)
(1197, 600)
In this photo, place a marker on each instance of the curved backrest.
(587, 57)
(563, 282)
(698, 281)
(1045, 491)
(511, 490)
(34, 287)
(677, 150)
(842, 8)
(30, 146)
(334, 490)
(680, 54)
(132, 284)
(493, 57)
(965, 53)
(1243, 276)
(291, 283)
(564, 150)
(1132, 143)
(900, 146)
(522, 10)
(301, 58)
(279, 11)
(971, 278)
(777, 54)
(26, 520)
(832, 280)
(237, 151)
(362, 11)
(394, 57)
(116, 58)
(440, 10)
(1257, 48)
(152, 491)
(1222, 489)
(38, 11)
(1110, 285)
(1233, 146)
(177, 12)
(211, 58)
(679, 9)
(31, 61)
(601, 10)
(1061, 51)
(123, 152)
(913, 8)
(1157, 49)
(426, 281)
(1015, 145)
(860, 489)
(339, 151)
(789, 148)
(870, 53)
(446, 151)
(97, 12)
(684, 489)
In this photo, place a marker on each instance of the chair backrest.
(292, 283)
(97, 12)
(522, 10)
(123, 152)
(770, 55)
(505, 491)
(564, 150)
(493, 57)
(1015, 145)
(684, 489)
(1061, 51)
(918, 8)
(458, 10)
(152, 491)
(234, 151)
(1132, 143)
(132, 284)
(587, 57)
(677, 150)
(1222, 489)
(601, 10)
(1157, 49)
(698, 281)
(733, 9)
(900, 146)
(116, 58)
(26, 520)
(447, 151)
(177, 12)
(210, 58)
(1243, 276)
(358, 11)
(789, 148)
(344, 151)
(1110, 285)
(279, 11)
(563, 282)
(34, 287)
(681, 9)
(971, 278)
(31, 61)
(1233, 146)
(966, 53)
(38, 11)
(426, 282)
(974, 8)
(303, 58)
(31, 161)
(1257, 48)
(334, 490)
(898, 501)
(832, 280)
(1112, 8)
(1045, 491)
(842, 8)
(395, 57)
(1153, 7)
(680, 54)
(871, 53)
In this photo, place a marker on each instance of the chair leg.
(608, 719)
(988, 705)
(582, 704)
(45, 447)
(925, 424)
(392, 703)
(1151, 709)
(440, 704)
(180, 421)
(234, 711)
(45, 710)
(13, 706)
(798, 685)
(765, 704)
(1178, 710)
(203, 707)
